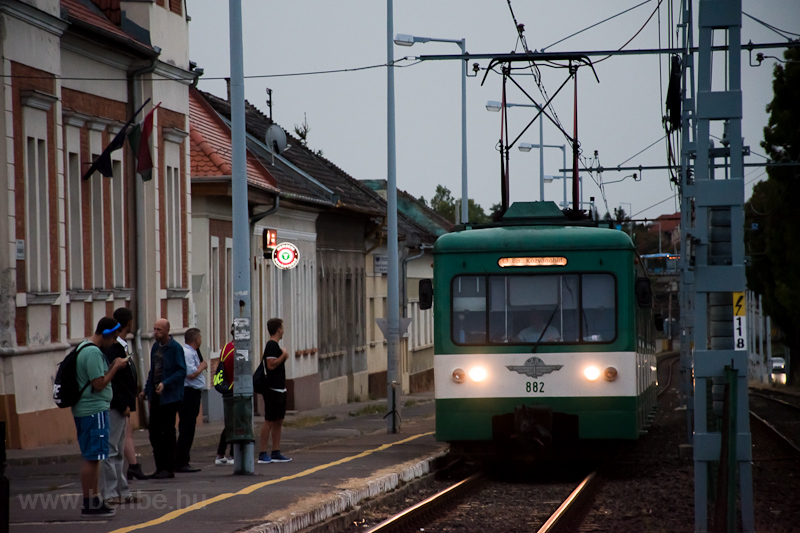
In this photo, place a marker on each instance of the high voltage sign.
(739, 321)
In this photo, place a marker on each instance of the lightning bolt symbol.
(738, 304)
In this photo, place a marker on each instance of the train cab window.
(534, 309)
(469, 310)
(598, 305)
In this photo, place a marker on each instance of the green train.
(544, 334)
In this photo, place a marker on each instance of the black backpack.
(65, 387)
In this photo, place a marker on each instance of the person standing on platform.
(226, 360)
(91, 412)
(275, 397)
(164, 390)
(113, 478)
(193, 387)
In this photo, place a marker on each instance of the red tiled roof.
(210, 147)
(86, 14)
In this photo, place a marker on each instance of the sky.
(618, 118)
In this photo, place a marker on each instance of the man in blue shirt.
(91, 412)
(164, 390)
(193, 387)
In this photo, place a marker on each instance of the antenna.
(276, 140)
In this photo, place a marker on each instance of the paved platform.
(341, 455)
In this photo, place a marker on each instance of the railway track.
(779, 415)
(441, 511)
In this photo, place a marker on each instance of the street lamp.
(526, 147)
(495, 106)
(403, 39)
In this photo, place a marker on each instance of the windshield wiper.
(541, 336)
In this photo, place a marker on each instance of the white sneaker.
(222, 461)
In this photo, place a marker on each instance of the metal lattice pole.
(717, 235)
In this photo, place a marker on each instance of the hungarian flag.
(139, 139)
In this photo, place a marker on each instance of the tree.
(301, 130)
(445, 204)
(770, 235)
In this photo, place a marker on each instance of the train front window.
(534, 309)
(469, 310)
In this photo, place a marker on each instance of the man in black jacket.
(113, 479)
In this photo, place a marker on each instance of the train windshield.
(534, 309)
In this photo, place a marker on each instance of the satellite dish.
(276, 139)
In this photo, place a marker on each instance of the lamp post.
(526, 147)
(403, 39)
(495, 106)
(393, 372)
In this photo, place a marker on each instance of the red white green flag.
(139, 140)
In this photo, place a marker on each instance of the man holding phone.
(113, 479)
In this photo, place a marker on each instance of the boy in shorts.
(275, 398)
(91, 412)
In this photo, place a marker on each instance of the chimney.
(228, 85)
(111, 9)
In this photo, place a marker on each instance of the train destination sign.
(531, 261)
(285, 255)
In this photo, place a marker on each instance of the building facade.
(74, 73)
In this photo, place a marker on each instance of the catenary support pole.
(393, 377)
(239, 410)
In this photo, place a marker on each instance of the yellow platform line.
(252, 488)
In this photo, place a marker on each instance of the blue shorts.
(93, 432)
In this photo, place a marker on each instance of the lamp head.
(494, 106)
(403, 39)
(525, 147)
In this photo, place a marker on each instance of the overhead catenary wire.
(218, 78)
(596, 24)
(771, 27)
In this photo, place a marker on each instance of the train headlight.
(610, 373)
(591, 373)
(459, 375)
(477, 374)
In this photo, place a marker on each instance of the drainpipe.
(422, 248)
(141, 279)
(254, 219)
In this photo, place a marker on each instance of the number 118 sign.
(739, 321)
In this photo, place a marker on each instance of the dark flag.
(103, 163)
(139, 139)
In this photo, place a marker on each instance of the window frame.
(580, 309)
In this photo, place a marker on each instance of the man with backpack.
(91, 412)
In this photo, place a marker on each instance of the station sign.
(285, 256)
(380, 264)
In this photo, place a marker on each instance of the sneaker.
(222, 461)
(97, 509)
(278, 458)
(264, 458)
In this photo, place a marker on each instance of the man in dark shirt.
(275, 397)
(164, 390)
(113, 479)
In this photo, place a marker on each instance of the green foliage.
(445, 204)
(771, 236)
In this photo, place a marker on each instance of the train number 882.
(534, 386)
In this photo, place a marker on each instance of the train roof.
(533, 226)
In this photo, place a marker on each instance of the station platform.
(341, 456)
